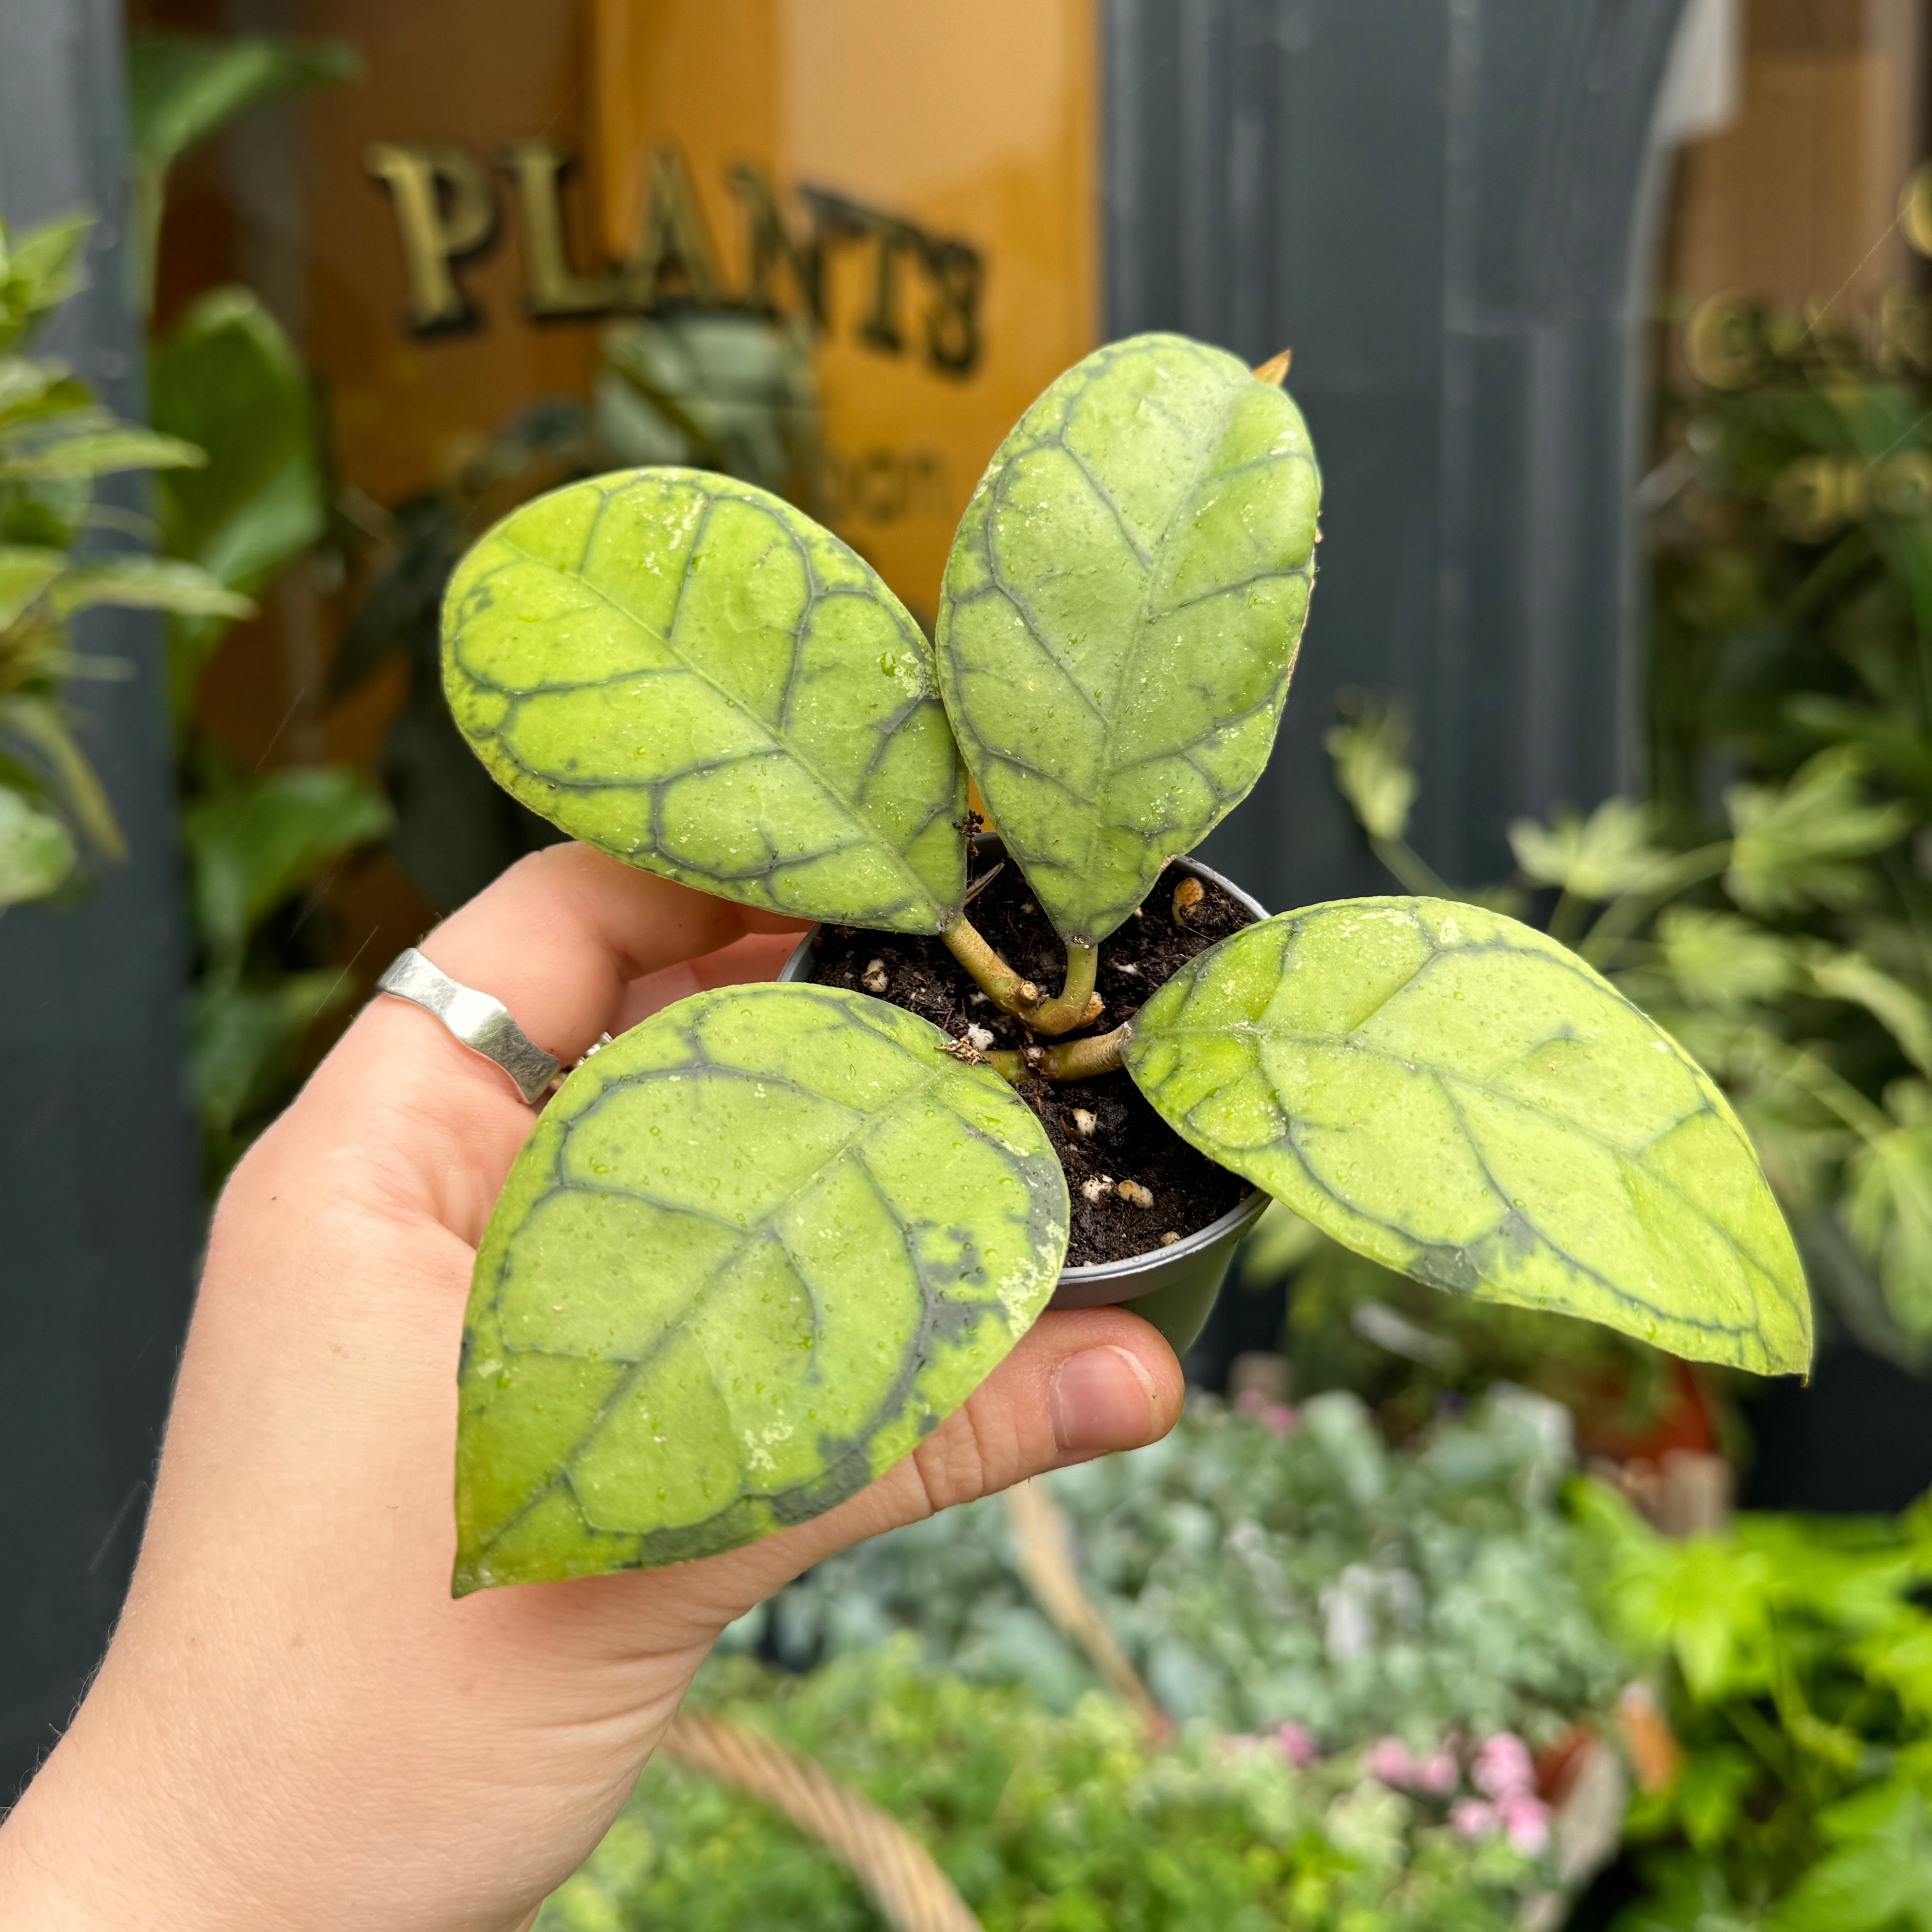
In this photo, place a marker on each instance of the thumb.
(1080, 1383)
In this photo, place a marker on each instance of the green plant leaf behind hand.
(687, 673)
(1121, 613)
(1457, 1096)
(184, 88)
(227, 381)
(754, 1252)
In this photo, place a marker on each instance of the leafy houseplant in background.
(258, 844)
(1796, 1658)
(1276, 1566)
(1043, 1819)
(1768, 905)
(55, 442)
(668, 1353)
(725, 390)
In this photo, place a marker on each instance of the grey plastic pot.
(1173, 1288)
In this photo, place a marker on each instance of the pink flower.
(1296, 1745)
(1526, 1821)
(1278, 1419)
(1472, 1819)
(1388, 1760)
(1391, 1761)
(1502, 1768)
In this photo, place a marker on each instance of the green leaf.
(36, 851)
(1595, 858)
(244, 1036)
(691, 676)
(1717, 959)
(38, 271)
(1887, 1206)
(1456, 1096)
(1121, 613)
(1903, 1013)
(1372, 770)
(31, 391)
(1880, 1875)
(40, 725)
(1796, 846)
(183, 88)
(26, 571)
(97, 452)
(252, 843)
(227, 381)
(146, 583)
(752, 1255)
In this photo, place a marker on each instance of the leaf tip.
(1275, 369)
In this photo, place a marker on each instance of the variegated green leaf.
(1457, 1095)
(753, 1253)
(687, 673)
(1121, 613)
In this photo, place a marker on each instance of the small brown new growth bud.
(1132, 1191)
(1169, 1239)
(1275, 369)
(874, 978)
(1096, 1007)
(1033, 1056)
(1187, 895)
(965, 1050)
(1096, 1189)
(1084, 1124)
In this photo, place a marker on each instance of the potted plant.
(757, 1248)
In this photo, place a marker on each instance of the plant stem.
(1410, 869)
(1077, 1003)
(1072, 1060)
(988, 971)
(1625, 914)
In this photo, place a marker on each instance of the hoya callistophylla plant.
(760, 1245)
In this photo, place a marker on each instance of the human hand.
(295, 1725)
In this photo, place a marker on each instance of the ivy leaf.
(689, 674)
(1594, 858)
(1120, 612)
(1874, 1879)
(754, 1252)
(1457, 1095)
(1716, 959)
(1798, 846)
(1903, 1013)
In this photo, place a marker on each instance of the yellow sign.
(917, 182)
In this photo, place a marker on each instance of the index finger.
(559, 939)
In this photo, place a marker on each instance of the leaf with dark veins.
(1457, 1095)
(685, 672)
(753, 1253)
(1121, 613)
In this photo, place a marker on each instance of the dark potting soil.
(1130, 1141)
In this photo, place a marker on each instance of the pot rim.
(1090, 1275)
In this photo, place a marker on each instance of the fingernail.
(1103, 1400)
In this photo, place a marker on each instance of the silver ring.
(481, 1024)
